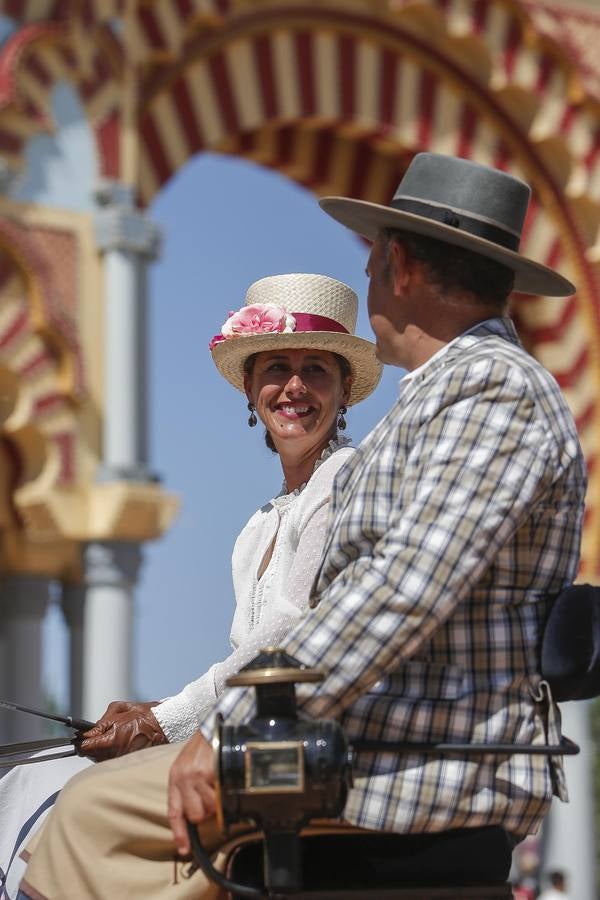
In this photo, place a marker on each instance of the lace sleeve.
(180, 716)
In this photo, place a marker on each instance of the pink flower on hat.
(258, 319)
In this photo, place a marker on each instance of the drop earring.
(252, 420)
(341, 422)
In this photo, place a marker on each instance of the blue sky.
(226, 223)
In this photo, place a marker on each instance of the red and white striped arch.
(341, 104)
(40, 347)
(340, 101)
(33, 61)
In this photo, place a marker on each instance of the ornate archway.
(339, 96)
(42, 378)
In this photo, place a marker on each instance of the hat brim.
(367, 219)
(230, 355)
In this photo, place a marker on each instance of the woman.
(292, 350)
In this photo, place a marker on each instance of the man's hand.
(191, 789)
(123, 728)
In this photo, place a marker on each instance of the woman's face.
(297, 394)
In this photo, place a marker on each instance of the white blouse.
(267, 608)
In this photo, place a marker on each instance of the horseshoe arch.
(339, 96)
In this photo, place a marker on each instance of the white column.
(24, 601)
(126, 415)
(72, 602)
(569, 842)
(128, 240)
(111, 573)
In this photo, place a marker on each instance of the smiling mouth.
(294, 410)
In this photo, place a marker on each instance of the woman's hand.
(123, 728)
(191, 789)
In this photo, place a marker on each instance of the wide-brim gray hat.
(462, 203)
(297, 311)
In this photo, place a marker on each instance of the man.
(451, 529)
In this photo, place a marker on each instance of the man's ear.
(248, 387)
(400, 267)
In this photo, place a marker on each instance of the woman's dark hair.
(345, 371)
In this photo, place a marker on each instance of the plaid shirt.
(451, 528)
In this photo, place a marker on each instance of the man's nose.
(295, 385)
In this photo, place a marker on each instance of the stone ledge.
(113, 511)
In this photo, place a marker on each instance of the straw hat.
(297, 312)
(462, 203)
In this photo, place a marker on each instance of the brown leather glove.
(123, 728)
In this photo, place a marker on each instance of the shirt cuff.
(179, 716)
